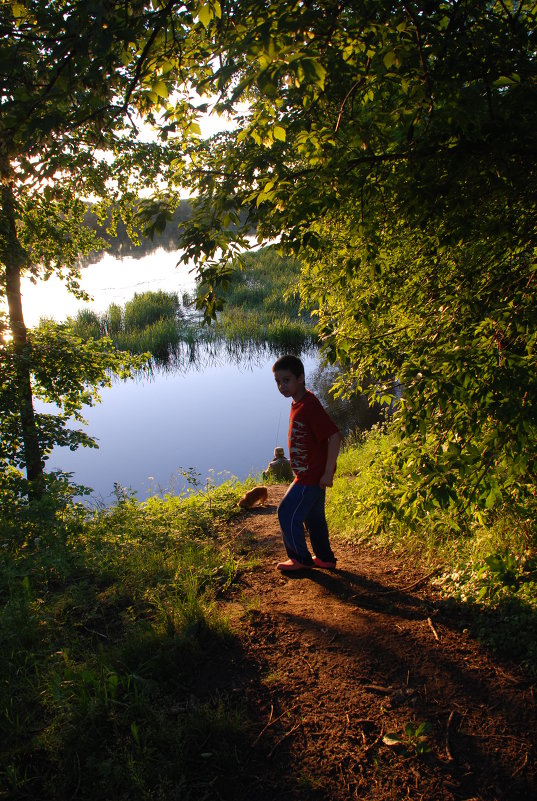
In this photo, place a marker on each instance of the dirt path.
(334, 662)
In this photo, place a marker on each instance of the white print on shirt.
(298, 453)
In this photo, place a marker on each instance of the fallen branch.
(378, 688)
(412, 586)
(98, 633)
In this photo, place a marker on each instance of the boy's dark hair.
(291, 363)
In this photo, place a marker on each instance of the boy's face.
(289, 385)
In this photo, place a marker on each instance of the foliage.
(148, 307)
(262, 302)
(415, 738)
(265, 285)
(352, 504)
(459, 338)
(108, 623)
(485, 572)
(78, 80)
(66, 373)
(390, 148)
(23, 522)
(77, 74)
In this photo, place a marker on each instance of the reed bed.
(261, 306)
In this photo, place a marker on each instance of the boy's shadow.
(358, 591)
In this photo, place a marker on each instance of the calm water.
(218, 415)
(220, 419)
(109, 281)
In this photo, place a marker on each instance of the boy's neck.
(299, 394)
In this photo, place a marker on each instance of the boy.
(314, 441)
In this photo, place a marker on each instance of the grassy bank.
(107, 622)
(111, 638)
(488, 570)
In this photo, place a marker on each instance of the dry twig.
(378, 688)
(271, 721)
(285, 736)
(311, 670)
(448, 749)
(373, 744)
(522, 766)
(414, 585)
(434, 631)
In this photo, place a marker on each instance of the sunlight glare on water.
(110, 280)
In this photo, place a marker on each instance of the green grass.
(261, 306)
(108, 621)
(149, 322)
(262, 302)
(158, 338)
(111, 635)
(487, 571)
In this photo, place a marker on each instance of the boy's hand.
(326, 480)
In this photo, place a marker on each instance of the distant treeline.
(121, 244)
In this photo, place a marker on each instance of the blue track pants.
(301, 510)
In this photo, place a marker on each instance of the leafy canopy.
(392, 148)
(79, 84)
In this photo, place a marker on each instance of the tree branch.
(160, 17)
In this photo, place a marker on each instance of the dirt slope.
(331, 663)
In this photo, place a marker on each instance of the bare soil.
(337, 670)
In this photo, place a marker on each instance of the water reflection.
(218, 416)
(350, 414)
(210, 352)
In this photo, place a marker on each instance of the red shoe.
(324, 565)
(292, 564)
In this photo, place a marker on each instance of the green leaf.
(506, 80)
(389, 59)
(160, 88)
(208, 11)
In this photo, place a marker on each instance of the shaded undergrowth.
(107, 620)
(485, 571)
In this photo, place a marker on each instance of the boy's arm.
(334, 442)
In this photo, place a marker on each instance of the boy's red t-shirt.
(310, 426)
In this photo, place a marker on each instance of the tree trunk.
(14, 258)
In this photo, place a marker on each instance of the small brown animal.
(258, 496)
